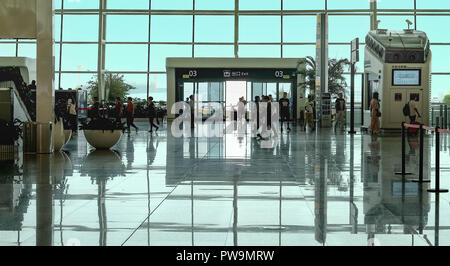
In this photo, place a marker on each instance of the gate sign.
(17, 19)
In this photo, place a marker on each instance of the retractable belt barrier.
(422, 129)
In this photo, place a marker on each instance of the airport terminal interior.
(224, 123)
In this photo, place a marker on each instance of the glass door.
(209, 93)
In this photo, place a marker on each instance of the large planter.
(58, 136)
(67, 135)
(102, 139)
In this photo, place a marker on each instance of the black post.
(352, 100)
(362, 98)
(403, 172)
(432, 116)
(421, 146)
(446, 117)
(438, 163)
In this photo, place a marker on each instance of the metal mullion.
(281, 33)
(236, 28)
(148, 47)
(61, 46)
(17, 47)
(415, 15)
(193, 28)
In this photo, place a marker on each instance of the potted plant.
(63, 121)
(102, 133)
(336, 79)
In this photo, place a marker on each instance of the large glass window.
(135, 4)
(80, 28)
(261, 33)
(214, 51)
(214, 29)
(397, 4)
(214, 5)
(159, 53)
(432, 25)
(348, 4)
(71, 4)
(299, 28)
(171, 28)
(124, 28)
(395, 22)
(259, 4)
(339, 28)
(260, 29)
(80, 57)
(126, 57)
(259, 51)
(303, 5)
(433, 4)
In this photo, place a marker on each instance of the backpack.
(406, 110)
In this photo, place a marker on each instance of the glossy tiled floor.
(321, 188)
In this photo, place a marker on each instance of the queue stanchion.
(403, 172)
(438, 189)
(421, 153)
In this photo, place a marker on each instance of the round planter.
(67, 135)
(102, 139)
(58, 136)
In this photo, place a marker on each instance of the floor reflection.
(321, 188)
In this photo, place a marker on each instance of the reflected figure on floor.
(375, 114)
(130, 153)
(192, 106)
(301, 105)
(151, 109)
(151, 151)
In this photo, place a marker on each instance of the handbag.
(378, 113)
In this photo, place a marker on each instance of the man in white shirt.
(310, 113)
(413, 109)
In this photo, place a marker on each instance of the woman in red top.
(130, 115)
(118, 110)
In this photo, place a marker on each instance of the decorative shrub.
(101, 124)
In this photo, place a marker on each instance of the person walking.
(118, 110)
(340, 111)
(375, 114)
(151, 109)
(413, 111)
(72, 112)
(285, 111)
(192, 106)
(257, 101)
(95, 108)
(310, 113)
(130, 116)
(301, 107)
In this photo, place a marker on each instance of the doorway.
(227, 93)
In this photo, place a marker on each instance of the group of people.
(305, 105)
(129, 110)
(375, 113)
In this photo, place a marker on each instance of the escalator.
(24, 98)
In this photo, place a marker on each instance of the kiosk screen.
(406, 77)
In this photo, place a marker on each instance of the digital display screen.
(406, 77)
